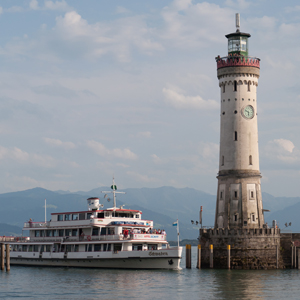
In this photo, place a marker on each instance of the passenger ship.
(96, 238)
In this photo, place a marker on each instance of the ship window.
(48, 248)
(30, 248)
(60, 232)
(103, 231)
(76, 248)
(42, 233)
(68, 248)
(235, 86)
(24, 248)
(97, 247)
(245, 223)
(42, 249)
(137, 216)
(81, 216)
(137, 247)
(110, 231)
(74, 232)
(117, 247)
(235, 135)
(49, 233)
(75, 217)
(35, 248)
(37, 233)
(101, 215)
(68, 232)
(88, 216)
(88, 248)
(60, 217)
(67, 217)
(95, 231)
(152, 246)
(250, 159)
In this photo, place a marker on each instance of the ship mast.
(114, 191)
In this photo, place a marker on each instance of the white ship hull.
(160, 259)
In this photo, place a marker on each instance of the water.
(77, 283)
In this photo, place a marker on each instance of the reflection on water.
(73, 283)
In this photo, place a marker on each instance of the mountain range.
(163, 205)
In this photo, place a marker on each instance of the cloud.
(59, 143)
(101, 150)
(1, 10)
(122, 10)
(285, 145)
(180, 101)
(141, 178)
(49, 5)
(238, 4)
(144, 134)
(55, 90)
(283, 151)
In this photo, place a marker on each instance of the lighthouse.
(239, 201)
(239, 238)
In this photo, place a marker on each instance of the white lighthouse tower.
(239, 220)
(239, 201)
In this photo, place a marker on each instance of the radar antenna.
(237, 22)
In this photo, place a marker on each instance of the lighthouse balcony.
(237, 61)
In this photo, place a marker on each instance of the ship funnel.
(93, 203)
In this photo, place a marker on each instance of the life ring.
(88, 238)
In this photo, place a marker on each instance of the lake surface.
(77, 283)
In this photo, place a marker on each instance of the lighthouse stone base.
(250, 248)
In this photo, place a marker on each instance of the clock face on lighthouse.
(248, 112)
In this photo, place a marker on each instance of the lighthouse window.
(235, 135)
(249, 86)
(223, 113)
(235, 111)
(235, 194)
(221, 195)
(222, 160)
(253, 218)
(252, 194)
(235, 217)
(250, 159)
(228, 99)
(235, 86)
(224, 88)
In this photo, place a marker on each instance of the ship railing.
(36, 224)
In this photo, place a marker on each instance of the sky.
(95, 89)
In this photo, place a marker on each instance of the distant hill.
(162, 205)
(10, 230)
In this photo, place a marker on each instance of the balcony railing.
(237, 61)
(36, 224)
